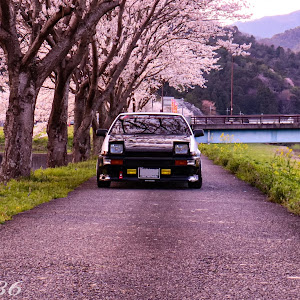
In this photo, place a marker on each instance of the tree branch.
(32, 51)
(114, 48)
(8, 32)
(85, 27)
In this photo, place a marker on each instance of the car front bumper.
(149, 169)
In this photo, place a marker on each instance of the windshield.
(151, 124)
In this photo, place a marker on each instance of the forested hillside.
(290, 39)
(267, 81)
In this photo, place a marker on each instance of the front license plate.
(148, 173)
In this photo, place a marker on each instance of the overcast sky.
(262, 8)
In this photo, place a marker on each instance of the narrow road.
(143, 242)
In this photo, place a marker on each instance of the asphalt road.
(224, 241)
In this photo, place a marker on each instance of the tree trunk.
(57, 129)
(81, 142)
(18, 127)
(84, 113)
(97, 140)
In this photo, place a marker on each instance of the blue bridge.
(248, 129)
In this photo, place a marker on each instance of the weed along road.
(225, 241)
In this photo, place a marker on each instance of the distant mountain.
(269, 26)
(290, 39)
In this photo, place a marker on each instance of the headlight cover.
(181, 148)
(116, 148)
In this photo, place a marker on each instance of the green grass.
(39, 143)
(296, 148)
(273, 169)
(42, 186)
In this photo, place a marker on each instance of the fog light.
(131, 171)
(165, 171)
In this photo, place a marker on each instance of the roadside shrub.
(276, 173)
(234, 165)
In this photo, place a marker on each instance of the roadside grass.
(42, 186)
(39, 143)
(296, 147)
(272, 169)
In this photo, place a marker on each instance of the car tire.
(195, 185)
(103, 184)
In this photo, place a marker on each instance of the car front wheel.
(103, 184)
(196, 184)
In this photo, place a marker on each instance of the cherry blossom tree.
(57, 128)
(133, 48)
(150, 42)
(27, 28)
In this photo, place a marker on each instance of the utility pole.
(162, 96)
(231, 96)
(234, 50)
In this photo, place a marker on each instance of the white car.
(149, 147)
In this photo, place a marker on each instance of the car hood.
(149, 142)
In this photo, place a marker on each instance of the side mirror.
(101, 132)
(198, 132)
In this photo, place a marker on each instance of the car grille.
(148, 162)
(148, 154)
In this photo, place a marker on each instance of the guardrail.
(246, 121)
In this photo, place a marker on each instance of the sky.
(262, 8)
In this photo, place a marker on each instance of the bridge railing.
(246, 120)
